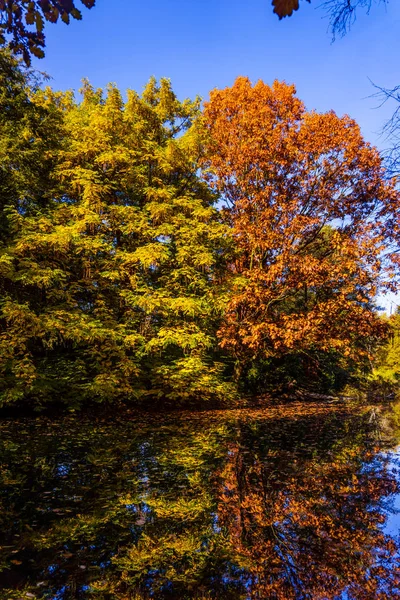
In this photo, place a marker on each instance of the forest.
(165, 252)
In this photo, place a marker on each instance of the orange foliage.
(309, 207)
(285, 8)
(309, 529)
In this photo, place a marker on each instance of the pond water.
(287, 502)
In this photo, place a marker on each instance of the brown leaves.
(16, 16)
(285, 8)
(284, 516)
(309, 207)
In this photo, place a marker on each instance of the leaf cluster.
(22, 23)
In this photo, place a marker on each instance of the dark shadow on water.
(293, 502)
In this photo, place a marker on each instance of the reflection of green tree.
(71, 498)
(218, 505)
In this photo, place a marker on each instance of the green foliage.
(30, 135)
(314, 371)
(385, 377)
(107, 273)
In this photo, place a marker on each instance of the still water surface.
(288, 502)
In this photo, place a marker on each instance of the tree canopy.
(309, 210)
(154, 251)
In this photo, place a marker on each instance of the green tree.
(29, 141)
(109, 284)
(385, 377)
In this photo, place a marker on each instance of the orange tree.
(310, 210)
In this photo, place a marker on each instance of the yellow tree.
(110, 284)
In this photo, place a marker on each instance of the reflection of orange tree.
(309, 530)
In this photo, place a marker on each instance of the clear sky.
(207, 44)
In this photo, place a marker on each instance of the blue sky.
(204, 45)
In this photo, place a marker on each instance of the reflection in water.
(285, 503)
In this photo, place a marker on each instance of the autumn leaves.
(308, 206)
(171, 254)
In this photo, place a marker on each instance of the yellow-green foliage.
(112, 247)
(386, 371)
